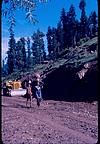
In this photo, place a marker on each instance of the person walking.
(37, 85)
(29, 94)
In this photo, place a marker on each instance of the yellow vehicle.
(13, 88)
(10, 86)
(13, 84)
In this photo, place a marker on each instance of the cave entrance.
(63, 84)
(58, 84)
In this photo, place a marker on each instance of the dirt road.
(54, 122)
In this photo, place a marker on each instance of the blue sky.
(48, 14)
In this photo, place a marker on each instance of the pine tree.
(17, 55)
(94, 23)
(19, 60)
(28, 53)
(54, 43)
(49, 42)
(90, 26)
(78, 31)
(34, 52)
(22, 40)
(38, 46)
(64, 28)
(42, 47)
(11, 52)
(4, 68)
(83, 20)
(71, 16)
(59, 34)
(21, 54)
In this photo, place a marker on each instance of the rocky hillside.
(72, 77)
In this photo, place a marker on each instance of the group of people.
(33, 88)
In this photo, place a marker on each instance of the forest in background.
(68, 34)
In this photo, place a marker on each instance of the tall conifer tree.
(59, 35)
(28, 53)
(83, 20)
(71, 15)
(64, 28)
(11, 51)
(49, 42)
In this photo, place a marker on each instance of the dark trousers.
(38, 101)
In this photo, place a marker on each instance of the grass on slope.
(75, 57)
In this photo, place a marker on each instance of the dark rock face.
(64, 84)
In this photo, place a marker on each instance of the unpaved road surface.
(54, 122)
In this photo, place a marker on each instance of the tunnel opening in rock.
(64, 85)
